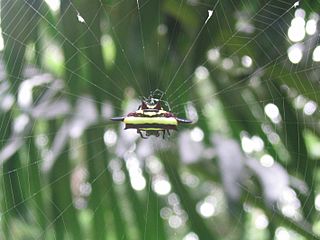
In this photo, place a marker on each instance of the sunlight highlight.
(258, 144)
(196, 134)
(213, 55)
(282, 234)
(296, 31)
(246, 61)
(267, 160)
(80, 18)
(310, 108)
(7, 102)
(110, 137)
(175, 221)
(246, 144)
(202, 73)
(54, 5)
(272, 112)
(289, 203)
(138, 183)
(227, 63)
(311, 27)
(25, 94)
(118, 177)
(162, 29)
(191, 112)
(316, 54)
(207, 209)
(165, 212)
(191, 236)
(250, 145)
(317, 202)
(137, 180)
(210, 12)
(1, 41)
(21, 122)
(162, 186)
(190, 180)
(261, 221)
(154, 165)
(295, 53)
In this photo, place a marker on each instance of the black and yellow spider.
(151, 118)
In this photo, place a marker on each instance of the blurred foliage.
(246, 169)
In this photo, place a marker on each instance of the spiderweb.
(246, 74)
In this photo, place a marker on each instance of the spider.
(151, 117)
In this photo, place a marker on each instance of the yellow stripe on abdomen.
(151, 120)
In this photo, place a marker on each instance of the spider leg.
(157, 92)
(164, 133)
(167, 104)
(158, 134)
(138, 131)
(168, 131)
